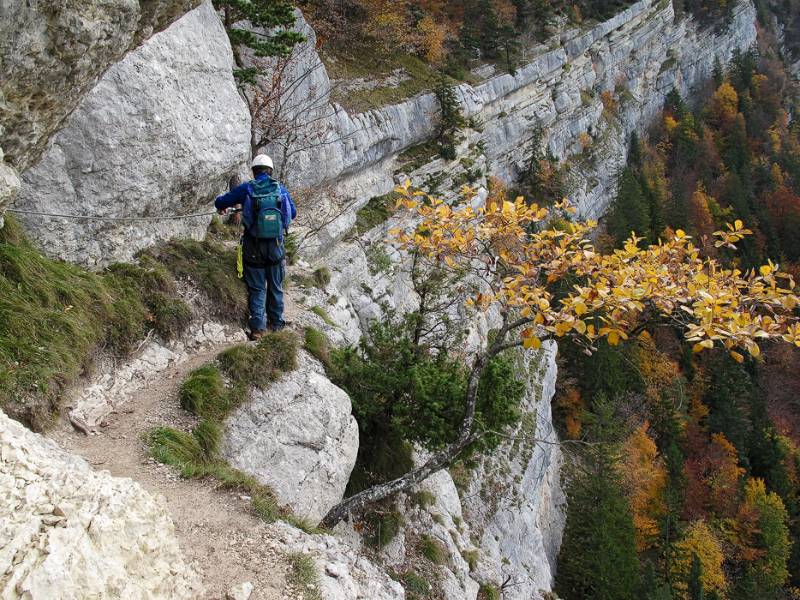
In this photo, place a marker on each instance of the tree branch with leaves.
(551, 282)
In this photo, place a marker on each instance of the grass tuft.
(471, 557)
(383, 527)
(211, 267)
(54, 317)
(416, 585)
(424, 498)
(433, 550)
(206, 394)
(261, 364)
(305, 576)
(318, 345)
(323, 314)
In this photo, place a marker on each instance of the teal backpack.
(266, 210)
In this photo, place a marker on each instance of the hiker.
(267, 211)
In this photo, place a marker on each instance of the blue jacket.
(241, 195)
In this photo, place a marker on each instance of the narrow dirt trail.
(215, 528)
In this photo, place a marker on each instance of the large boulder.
(299, 437)
(159, 135)
(70, 532)
(50, 55)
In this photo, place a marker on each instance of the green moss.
(372, 63)
(304, 576)
(433, 550)
(322, 314)
(418, 156)
(489, 591)
(375, 212)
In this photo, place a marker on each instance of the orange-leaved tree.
(547, 279)
(645, 477)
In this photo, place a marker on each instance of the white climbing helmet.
(262, 160)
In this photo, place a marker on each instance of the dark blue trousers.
(265, 295)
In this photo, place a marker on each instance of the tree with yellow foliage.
(432, 38)
(724, 104)
(525, 265)
(644, 478)
(699, 541)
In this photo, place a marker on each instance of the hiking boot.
(257, 335)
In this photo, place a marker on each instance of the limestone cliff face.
(514, 502)
(507, 512)
(638, 56)
(50, 56)
(159, 135)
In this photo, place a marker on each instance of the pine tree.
(718, 72)
(598, 555)
(652, 588)
(451, 119)
(696, 591)
(629, 211)
(469, 36)
(772, 537)
(635, 152)
(508, 41)
(490, 31)
(276, 17)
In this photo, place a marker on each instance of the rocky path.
(216, 531)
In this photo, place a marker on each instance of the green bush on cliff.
(405, 392)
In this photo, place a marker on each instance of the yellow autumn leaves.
(536, 261)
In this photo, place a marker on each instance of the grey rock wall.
(511, 512)
(514, 502)
(159, 135)
(344, 574)
(52, 52)
(50, 55)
